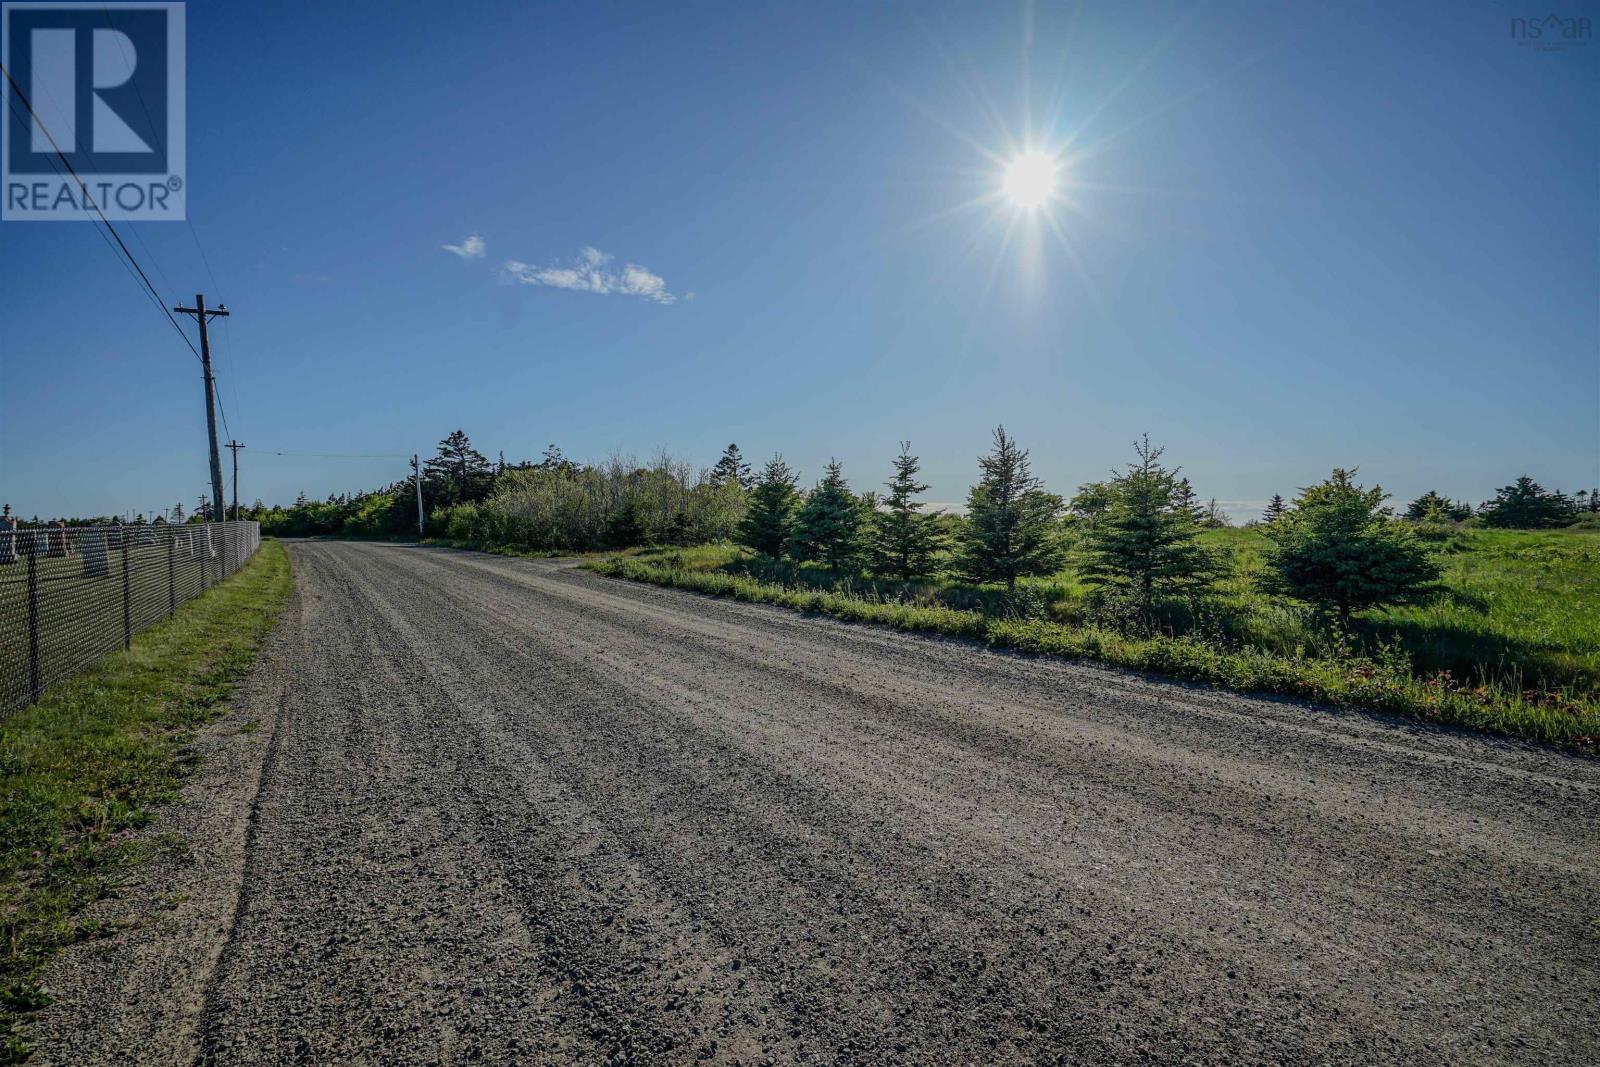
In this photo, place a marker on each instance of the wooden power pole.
(234, 446)
(416, 465)
(204, 316)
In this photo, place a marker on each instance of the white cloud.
(591, 274)
(471, 248)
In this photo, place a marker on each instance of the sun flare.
(1030, 179)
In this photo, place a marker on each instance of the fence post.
(172, 581)
(127, 594)
(33, 618)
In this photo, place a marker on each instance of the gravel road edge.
(136, 994)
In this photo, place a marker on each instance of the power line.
(205, 260)
(332, 455)
(84, 189)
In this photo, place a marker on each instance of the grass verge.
(1384, 682)
(83, 768)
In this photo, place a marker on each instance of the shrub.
(1339, 550)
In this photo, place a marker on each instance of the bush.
(1339, 550)
(465, 524)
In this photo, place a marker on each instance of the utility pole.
(234, 446)
(416, 465)
(203, 317)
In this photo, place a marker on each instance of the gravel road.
(511, 812)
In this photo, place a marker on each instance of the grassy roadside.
(84, 767)
(1384, 682)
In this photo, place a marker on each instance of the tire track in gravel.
(1266, 849)
(524, 814)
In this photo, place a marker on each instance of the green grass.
(1512, 645)
(82, 770)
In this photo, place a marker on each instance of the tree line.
(1133, 537)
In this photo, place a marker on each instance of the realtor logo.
(94, 119)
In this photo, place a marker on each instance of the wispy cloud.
(471, 248)
(592, 273)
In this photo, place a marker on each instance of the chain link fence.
(70, 594)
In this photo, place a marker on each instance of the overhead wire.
(144, 106)
(84, 189)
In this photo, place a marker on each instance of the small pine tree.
(1090, 502)
(1011, 528)
(1525, 505)
(1212, 517)
(770, 512)
(624, 525)
(732, 468)
(1340, 550)
(827, 526)
(904, 542)
(1436, 507)
(1184, 497)
(1276, 509)
(1145, 545)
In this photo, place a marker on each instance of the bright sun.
(1030, 179)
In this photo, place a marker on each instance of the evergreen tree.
(1011, 528)
(1090, 502)
(1340, 550)
(1183, 495)
(1146, 544)
(1212, 517)
(624, 525)
(556, 463)
(1435, 507)
(459, 473)
(1276, 509)
(770, 511)
(828, 525)
(1526, 505)
(904, 542)
(732, 468)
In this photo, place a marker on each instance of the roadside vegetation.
(84, 768)
(1486, 616)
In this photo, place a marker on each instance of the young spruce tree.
(904, 542)
(1340, 551)
(1145, 545)
(827, 527)
(1011, 528)
(1276, 509)
(770, 511)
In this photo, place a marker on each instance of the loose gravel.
(511, 812)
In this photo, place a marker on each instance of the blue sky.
(1290, 237)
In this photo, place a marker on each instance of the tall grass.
(1512, 646)
(83, 768)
